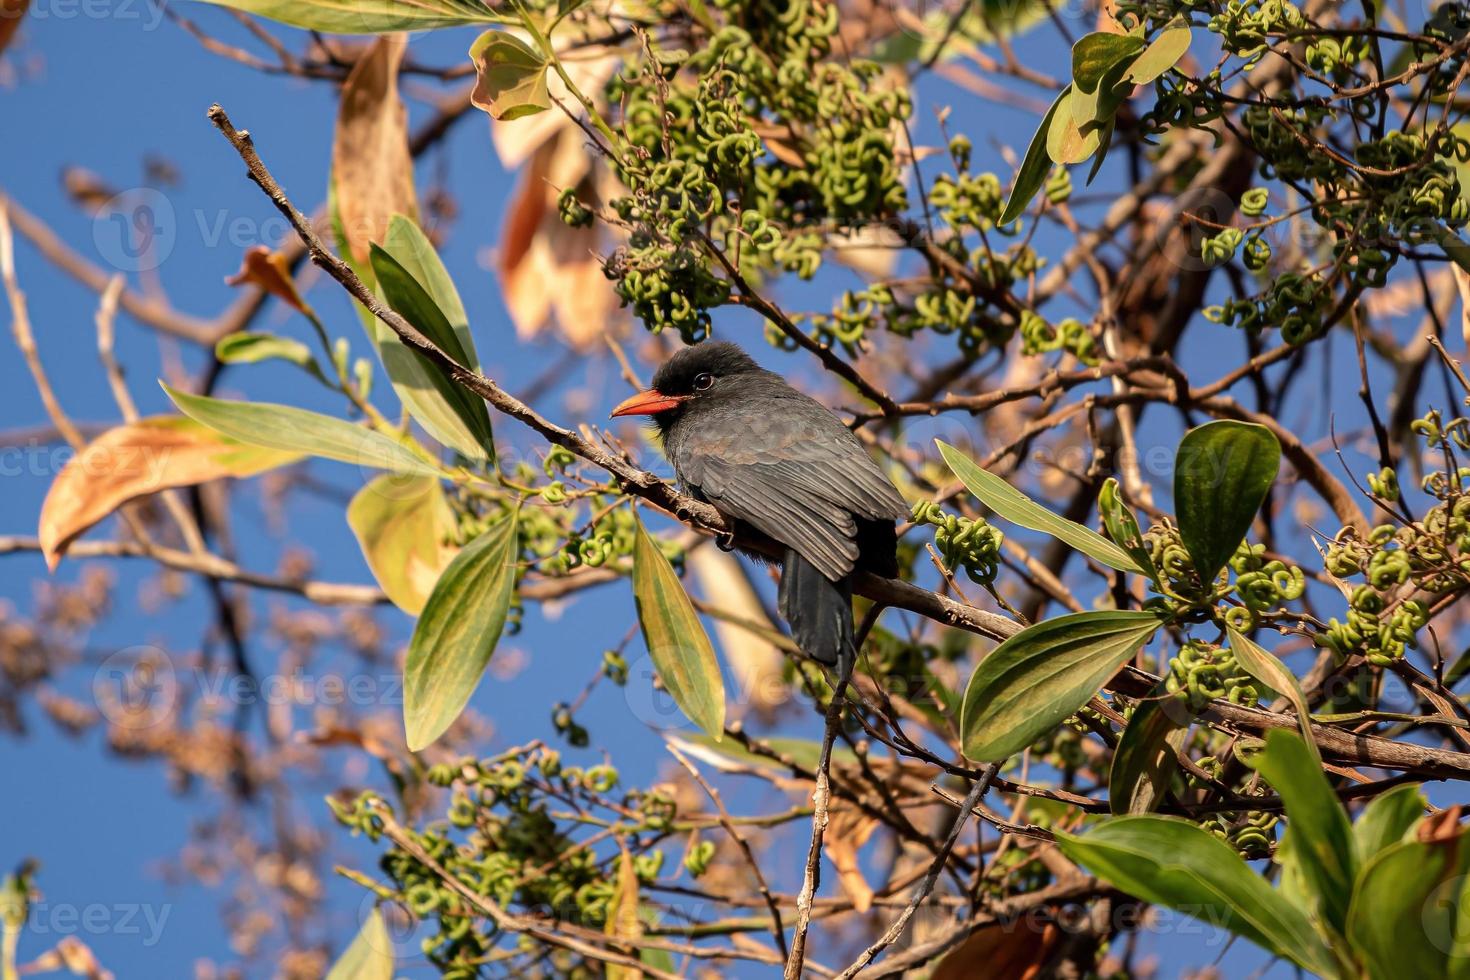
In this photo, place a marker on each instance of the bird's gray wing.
(821, 532)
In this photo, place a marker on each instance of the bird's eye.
(703, 382)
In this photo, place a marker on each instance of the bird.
(771, 458)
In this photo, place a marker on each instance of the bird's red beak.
(648, 402)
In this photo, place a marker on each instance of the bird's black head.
(693, 375)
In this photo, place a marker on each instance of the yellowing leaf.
(512, 77)
(676, 640)
(370, 957)
(622, 916)
(457, 633)
(137, 459)
(372, 169)
(403, 526)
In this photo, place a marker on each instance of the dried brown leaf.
(269, 271)
(848, 832)
(136, 459)
(546, 268)
(372, 168)
(11, 13)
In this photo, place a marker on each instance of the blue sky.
(104, 87)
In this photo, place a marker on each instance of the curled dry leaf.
(548, 269)
(137, 459)
(267, 270)
(72, 955)
(372, 169)
(1000, 951)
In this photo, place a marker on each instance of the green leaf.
(454, 638)
(1122, 526)
(404, 527)
(1387, 819)
(251, 348)
(411, 249)
(1016, 507)
(1031, 682)
(370, 956)
(299, 431)
(1321, 836)
(676, 640)
(727, 755)
(1066, 142)
(1222, 472)
(1096, 54)
(1405, 915)
(367, 16)
(1034, 167)
(449, 412)
(1172, 862)
(1264, 666)
(1146, 757)
(1164, 53)
(512, 76)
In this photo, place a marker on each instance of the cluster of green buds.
(1252, 833)
(1402, 565)
(1298, 305)
(1071, 335)
(508, 840)
(1262, 584)
(1201, 672)
(972, 545)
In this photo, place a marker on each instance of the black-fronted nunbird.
(773, 459)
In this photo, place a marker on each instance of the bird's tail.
(818, 610)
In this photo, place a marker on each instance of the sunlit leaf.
(1387, 819)
(403, 526)
(1094, 55)
(297, 430)
(412, 250)
(1161, 55)
(1066, 142)
(1016, 507)
(1321, 837)
(1173, 863)
(370, 956)
(676, 641)
(1222, 473)
(367, 16)
(1147, 754)
(457, 632)
(1042, 675)
(450, 412)
(1034, 166)
(137, 459)
(1264, 666)
(1405, 919)
(512, 76)
(252, 348)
